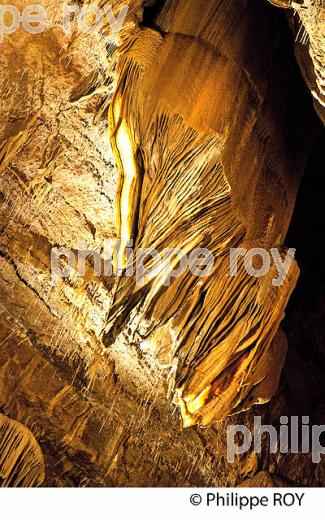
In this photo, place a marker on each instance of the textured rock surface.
(264, 479)
(100, 416)
(307, 19)
(218, 167)
(21, 459)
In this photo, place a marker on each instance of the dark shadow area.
(303, 375)
(151, 12)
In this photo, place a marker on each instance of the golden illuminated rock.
(198, 130)
(21, 459)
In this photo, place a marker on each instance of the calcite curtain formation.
(21, 459)
(207, 158)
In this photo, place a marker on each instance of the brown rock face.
(21, 459)
(205, 148)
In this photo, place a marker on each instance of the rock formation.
(208, 169)
(204, 148)
(21, 459)
(307, 19)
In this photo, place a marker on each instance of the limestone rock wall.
(100, 415)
